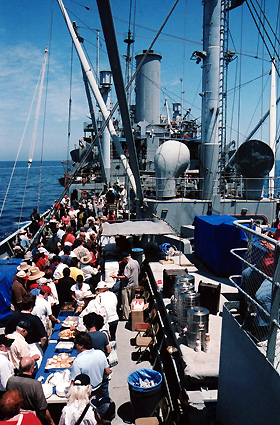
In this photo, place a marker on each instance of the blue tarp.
(8, 269)
(214, 237)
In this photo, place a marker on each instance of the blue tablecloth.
(50, 351)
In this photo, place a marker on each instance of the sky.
(28, 26)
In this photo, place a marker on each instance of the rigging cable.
(70, 107)
(262, 36)
(45, 109)
(19, 149)
(34, 134)
(240, 67)
(104, 125)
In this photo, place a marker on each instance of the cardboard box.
(138, 308)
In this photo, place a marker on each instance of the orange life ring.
(84, 193)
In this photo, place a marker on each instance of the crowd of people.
(66, 265)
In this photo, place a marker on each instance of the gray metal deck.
(118, 387)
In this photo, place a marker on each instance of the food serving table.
(50, 352)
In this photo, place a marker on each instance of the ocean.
(50, 190)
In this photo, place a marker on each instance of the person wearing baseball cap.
(20, 347)
(78, 408)
(105, 409)
(6, 367)
(130, 278)
(43, 309)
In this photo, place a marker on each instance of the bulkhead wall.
(249, 386)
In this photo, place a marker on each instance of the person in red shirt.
(10, 405)
(68, 236)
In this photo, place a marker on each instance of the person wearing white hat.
(24, 240)
(87, 269)
(109, 301)
(18, 252)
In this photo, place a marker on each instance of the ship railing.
(7, 245)
(190, 186)
(259, 288)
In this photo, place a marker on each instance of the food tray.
(66, 334)
(64, 346)
(69, 306)
(70, 321)
(61, 361)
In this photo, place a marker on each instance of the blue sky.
(24, 30)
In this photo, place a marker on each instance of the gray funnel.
(253, 160)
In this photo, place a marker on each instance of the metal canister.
(187, 299)
(182, 283)
(197, 325)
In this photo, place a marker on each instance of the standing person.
(73, 217)
(63, 287)
(43, 310)
(87, 269)
(130, 279)
(110, 302)
(91, 362)
(66, 256)
(18, 290)
(34, 275)
(78, 399)
(35, 221)
(37, 337)
(74, 269)
(31, 391)
(20, 348)
(94, 322)
(68, 236)
(24, 240)
(6, 367)
(59, 266)
(79, 289)
(53, 297)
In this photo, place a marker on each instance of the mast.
(106, 18)
(97, 54)
(272, 125)
(210, 97)
(129, 40)
(97, 95)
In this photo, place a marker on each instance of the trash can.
(144, 399)
(137, 254)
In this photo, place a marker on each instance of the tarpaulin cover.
(8, 269)
(150, 374)
(214, 237)
(128, 228)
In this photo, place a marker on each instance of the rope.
(19, 149)
(34, 134)
(70, 105)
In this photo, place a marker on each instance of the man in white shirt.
(57, 274)
(6, 367)
(43, 309)
(87, 269)
(20, 348)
